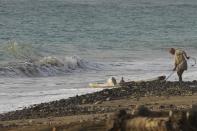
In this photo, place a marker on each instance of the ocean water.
(52, 49)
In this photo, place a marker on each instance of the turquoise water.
(57, 42)
(51, 26)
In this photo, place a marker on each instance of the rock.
(98, 102)
(102, 109)
(80, 121)
(108, 99)
(194, 107)
(54, 129)
(161, 107)
(142, 110)
(83, 101)
(45, 123)
(171, 106)
(1, 126)
(30, 121)
(71, 106)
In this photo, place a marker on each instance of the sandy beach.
(91, 111)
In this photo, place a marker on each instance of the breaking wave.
(27, 63)
(47, 66)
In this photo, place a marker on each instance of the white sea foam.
(47, 66)
(20, 100)
(117, 38)
(23, 91)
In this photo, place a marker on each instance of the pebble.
(71, 106)
(30, 121)
(108, 99)
(98, 102)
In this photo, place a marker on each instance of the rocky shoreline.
(85, 104)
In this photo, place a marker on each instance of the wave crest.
(47, 66)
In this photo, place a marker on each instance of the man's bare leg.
(180, 73)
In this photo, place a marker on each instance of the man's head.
(172, 51)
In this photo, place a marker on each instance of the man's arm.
(175, 66)
(185, 55)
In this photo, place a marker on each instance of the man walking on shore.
(180, 63)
